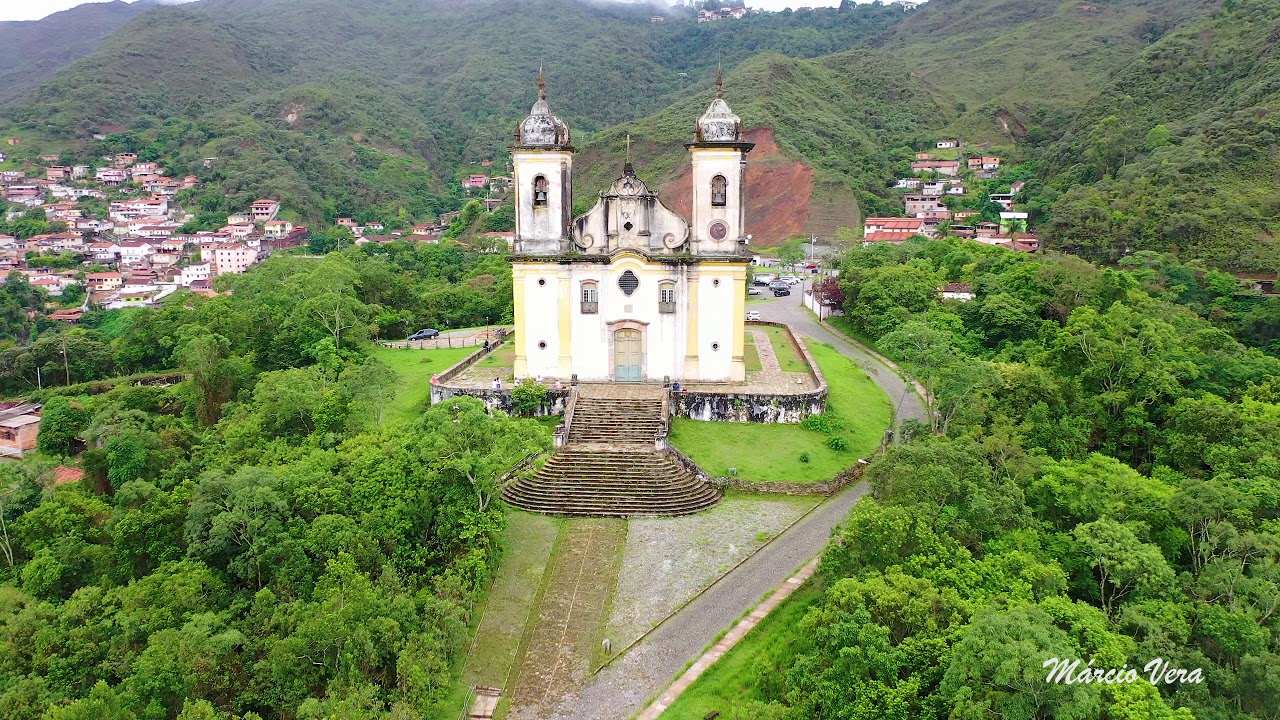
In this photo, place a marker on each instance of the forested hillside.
(37, 49)
(262, 538)
(1180, 152)
(1098, 480)
(319, 102)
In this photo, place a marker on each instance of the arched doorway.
(628, 355)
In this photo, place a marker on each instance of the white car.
(790, 279)
(753, 314)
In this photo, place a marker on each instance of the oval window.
(628, 282)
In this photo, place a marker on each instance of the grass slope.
(771, 452)
(415, 368)
(742, 674)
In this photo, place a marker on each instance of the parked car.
(780, 292)
(427, 334)
(753, 290)
(789, 279)
(753, 314)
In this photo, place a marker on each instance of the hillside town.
(134, 251)
(942, 198)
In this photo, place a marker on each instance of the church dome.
(541, 128)
(718, 124)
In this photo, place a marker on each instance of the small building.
(948, 144)
(946, 168)
(902, 226)
(264, 210)
(19, 428)
(104, 280)
(957, 291)
(984, 162)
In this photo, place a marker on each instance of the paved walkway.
(621, 689)
(907, 404)
(727, 643)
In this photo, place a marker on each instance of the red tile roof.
(63, 474)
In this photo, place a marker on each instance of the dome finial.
(719, 82)
(542, 83)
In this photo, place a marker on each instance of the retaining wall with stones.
(757, 407)
(441, 390)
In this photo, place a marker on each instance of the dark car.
(427, 334)
(779, 292)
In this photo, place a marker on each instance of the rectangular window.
(667, 299)
(590, 306)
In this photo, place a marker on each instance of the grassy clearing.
(503, 357)
(852, 399)
(415, 368)
(748, 670)
(527, 544)
(789, 358)
(750, 356)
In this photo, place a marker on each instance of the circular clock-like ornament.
(718, 230)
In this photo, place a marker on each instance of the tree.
(996, 669)
(791, 251)
(1125, 565)
(205, 356)
(475, 447)
(61, 422)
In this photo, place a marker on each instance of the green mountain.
(35, 50)
(1178, 153)
(321, 101)
(376, 109)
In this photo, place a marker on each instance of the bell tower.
(543, 160)
(719, 179)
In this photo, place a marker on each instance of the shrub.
(837, 443)
(527, 397)
(804, 457)
(822, 423)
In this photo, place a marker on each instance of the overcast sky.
(36, 9)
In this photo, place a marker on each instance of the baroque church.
(630, 291)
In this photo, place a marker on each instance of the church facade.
(630, 291)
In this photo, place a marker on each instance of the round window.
(715, 346)
(542, 345)
(715, 283)
(542, 281)
(628, 282)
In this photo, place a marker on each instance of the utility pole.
(66, 365)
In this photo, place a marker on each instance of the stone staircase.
(609, 467)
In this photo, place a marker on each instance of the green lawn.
(852, 399)
(503, 357)
(788, 357)
(749, 354)
(415, 368)
(747, 671)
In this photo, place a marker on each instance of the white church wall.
(541, 320)
(707, 163)
(540, 229)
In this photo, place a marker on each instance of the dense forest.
(260, 512)
(1098, 480)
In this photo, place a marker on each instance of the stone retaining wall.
(757, 407)
(493, 399)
